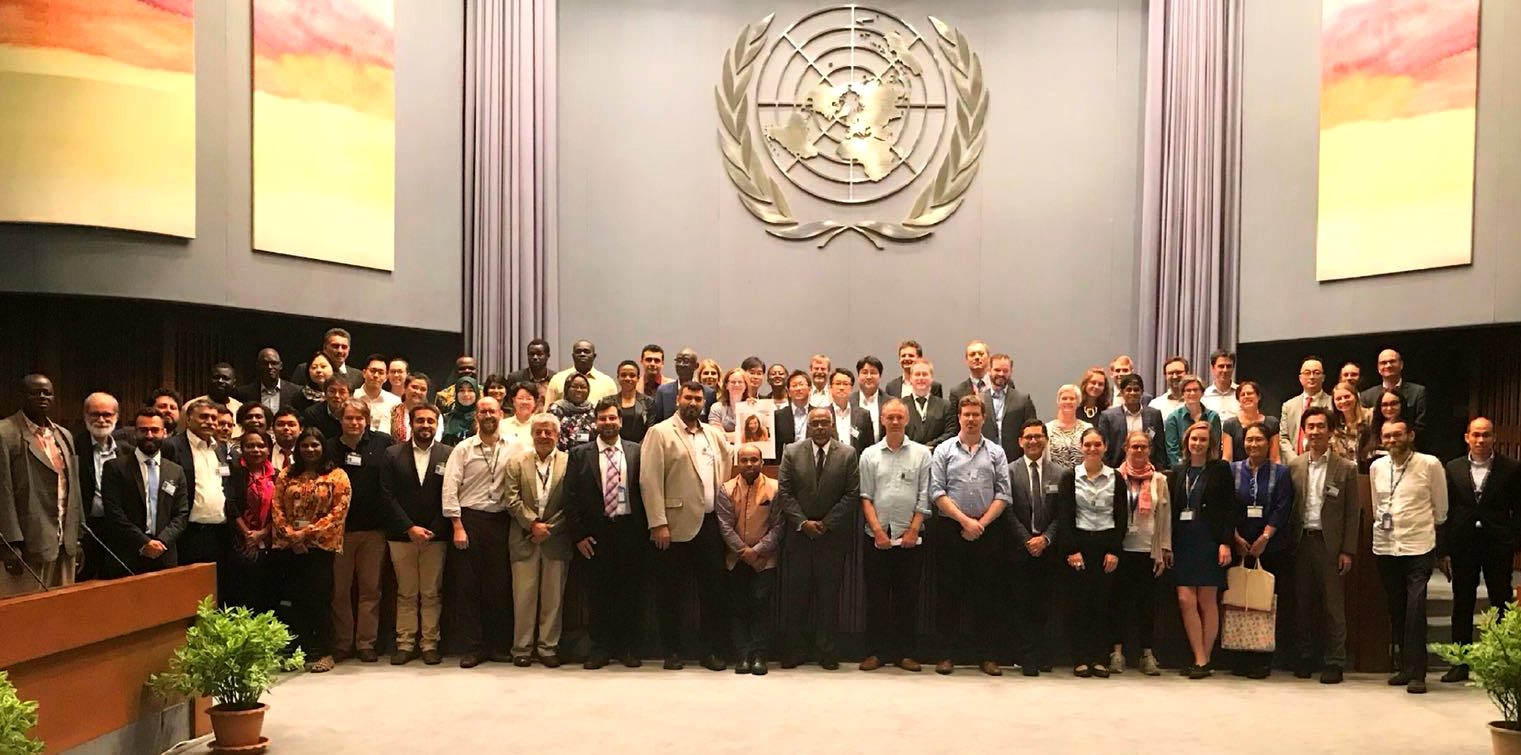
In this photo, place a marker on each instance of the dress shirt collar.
(196, 444)
(1481, 464)
(1139, 410)
(875, 397)
(1105, 472)
(915, 396)
(1317, 459)
(1214, 390)
(972, 449)
(603, 446)
(34, 427)
(105, 445)
(422, 449)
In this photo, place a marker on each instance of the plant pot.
(237, 728)
(1505, 738)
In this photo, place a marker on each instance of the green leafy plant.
(17, 717)
(230, 654)
(1494, 661)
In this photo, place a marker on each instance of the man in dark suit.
(143, 533)
(1034, 525)
(335, 346)
(412, 498)
(931, 419)
(1116, 422)
(665, 395)
(868, 394)
(852, 425)
(909, 352)
(269, 389)
(819, 488)
(977, 365)
(99, 442)
(327, 416)
(604, 514)
(1325, 524)
(1007, 408)
(1483, 521)
(40, 508)
(792, 419)
(1391, 367)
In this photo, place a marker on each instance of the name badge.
(1051, 488)
(1254, 512)
(1133, 528)
(353, 459)
(1385, 521)
(622, 494)
(1151, 432)
(438, 469)
(1333, 490)
(855, 432)
(223, 470)
(300, 523)
(1186, 515)
(169, 487)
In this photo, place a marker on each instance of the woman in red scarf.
(250, 494)
(1147, 551)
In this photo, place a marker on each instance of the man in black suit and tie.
(1483, 520)
(852, 425)
(909, 352)
(269, 389)
(978, 382)
(931, 419)
(1034, 525)
(1391, 367)
(412, 503)
(819, 488)
(1132, 414)
(147, 500)
(792, 419)
(605, 518)
(868, 394)
(98, 443)
(1006, 407)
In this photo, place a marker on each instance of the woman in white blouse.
(1093, 501)
(1147, 552)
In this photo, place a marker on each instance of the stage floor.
(499, 708)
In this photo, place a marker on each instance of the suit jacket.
(1288, 423)
(940, 422)
(1022, 517)
(894, 387)
(1497, 510)
(123, 491)
(1412, 395)
(665, 401)
(319, 417)
(1217, 503)
(832, 498)
(672, 490)
(1340, 512)
(29, 491)
(1111, 423)
(862, 436)
(405, 503)
(786, 434)
(585, 512)
(855, 403)
(248, 393)
(523, 504)
(176, 448)
(84, 446)
(1017, 407)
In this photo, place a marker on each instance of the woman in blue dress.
(1202, 526)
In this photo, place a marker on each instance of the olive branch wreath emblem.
(763, 197)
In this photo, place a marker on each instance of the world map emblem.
(851, 105)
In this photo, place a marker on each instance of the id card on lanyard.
(1255, 508)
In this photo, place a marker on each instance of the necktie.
(819, 464)
(1035, 496)
(150, 496)
(610, 485)
(1300, 432)
(921, 401)
(977, 387)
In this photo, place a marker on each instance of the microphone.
(107, 549)
(21, 560)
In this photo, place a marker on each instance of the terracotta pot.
(237, 728)
(1505, 738)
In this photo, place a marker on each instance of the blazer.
(29, 491)
(665, 401)
(122, 491)
(855, 403)
(1412, 395)
(894, 387)
(522, 495)
(786, 434)
(862, 436)
(1288, 423)
(585, 512)
(1340, 512)
(832, 498)
(940, 422)
(319, 417)
(248, 393)
(1111, 423)
(1023, 519)
(176, 448)
(1497, 510)
(84, 445)
(673, 494)
(1017, 407)
(1217, 503)
(1066, 502)
(405, 503)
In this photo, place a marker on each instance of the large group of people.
(300, 487)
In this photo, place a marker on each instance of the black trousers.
(1031, 591)
(812, 572)
(250, 582)
(1092, 600)
(700, 559)
(750, 595)
(1405, 579)
(483, 585)
(207, 544)
(617, 585)
(1135, 586)
(309, 588)
(893, 579)
(1478, 552)
(969, 578)
(98, 563)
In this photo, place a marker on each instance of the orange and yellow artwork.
(1398, 101)
(324, 130)
(97, 113)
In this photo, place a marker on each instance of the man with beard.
(412, 488)
(472, 500)
(100, 442)
(147, 500)
(40, 509)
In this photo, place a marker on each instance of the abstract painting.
(97, 113)
(1398, 100)
(324, 130)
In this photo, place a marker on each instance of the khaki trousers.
(419, 573)
(360, 560)
(56, 573)
(538, 587)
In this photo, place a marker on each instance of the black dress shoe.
(829, 664)
(1259, 672)
(595, 662)
(1045, 668)
(791, 662)
(497, 657)
(368, 656)
(1416, 687)
(672, 663)
(521, 661)
(1399, 679)
(1332, 675)
(714, 663)
(550, 661)
(631, 661)
(758, 665)
(471, 660)
(1029, 670)
(1304, 670)
(1456, 674)
(401, 657)
(743, 666)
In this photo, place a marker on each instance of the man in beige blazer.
(1326, 520)
(40, 503)
(537, 543)
(683, 460)
(1312, 378)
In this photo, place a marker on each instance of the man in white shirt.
(852, 426)
(1312, 378)
(819, 370)
(583, 358)
(868, 393)
(374, 394)
(204, 459)
(1409, 502)
(1221, 393)
(1174, 369)
(474, 478)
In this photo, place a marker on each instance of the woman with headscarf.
(577, 420)
(459, 422)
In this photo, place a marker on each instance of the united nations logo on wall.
(851, 105)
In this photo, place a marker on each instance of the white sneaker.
(1149, 664)
(1116, 662)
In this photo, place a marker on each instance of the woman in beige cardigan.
(1147, 552)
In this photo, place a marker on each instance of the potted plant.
(230, 655)
(17, 717)
(1494, 664)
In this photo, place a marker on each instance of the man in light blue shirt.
(895, 478)
(970, 488)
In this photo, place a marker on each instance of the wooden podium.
(84, 652)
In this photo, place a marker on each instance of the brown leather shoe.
(945, 667)
(990, 668)
(872, 663)
(908, 664)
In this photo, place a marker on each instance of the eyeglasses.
(1312, 373)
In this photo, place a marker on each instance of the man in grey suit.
(537, 544)
(1326, 518)
(1391, 367)
(1132, 415)
(1312, 377)
(143, 534)
(1034, 525)
(819, 489)
(40, 508)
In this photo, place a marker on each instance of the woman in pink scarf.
(1147, 551)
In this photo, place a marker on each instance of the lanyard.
(1191, 479)
(492, 460)
(1394, 483)
(548, 469)
(1272, 478)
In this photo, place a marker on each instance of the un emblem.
(851, 106)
